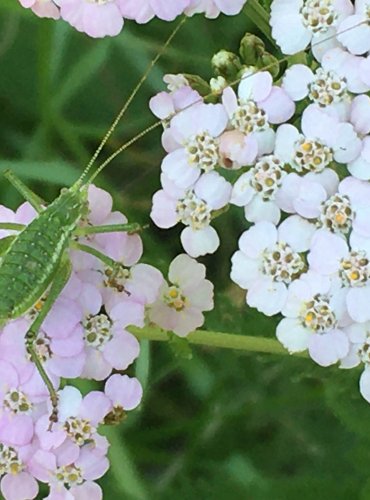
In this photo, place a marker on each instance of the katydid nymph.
(34, 263)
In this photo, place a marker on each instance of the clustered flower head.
(301, 178)
(100, 18)
(85, 336)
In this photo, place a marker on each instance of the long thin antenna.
(129, 100)
(214, 93)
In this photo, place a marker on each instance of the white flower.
(269, 260)
(314, 314)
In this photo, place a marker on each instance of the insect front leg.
(25, 191)
(60, 280)
(110, 228)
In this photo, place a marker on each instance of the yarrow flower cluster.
(85, 336)
(302, 180)
(100, 18)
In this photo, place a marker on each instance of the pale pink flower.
(42, 8)
(96, 19)
(181, 302)
(194, 208)
(123, 391)
(212, 8)
(143, 11)
(196, 130)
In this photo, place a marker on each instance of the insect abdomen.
(30, 263)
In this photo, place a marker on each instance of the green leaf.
(142, 365)
(257, 14)
(5, 243)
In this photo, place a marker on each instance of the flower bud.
(226, 64)
(251, 49)
(271, 64)
(198, 84)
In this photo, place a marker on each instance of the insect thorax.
(30, 263)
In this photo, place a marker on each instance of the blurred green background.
(221, 424)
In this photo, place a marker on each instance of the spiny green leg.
(25, 191)
(99, 255)
(61, 277)
(109, 228)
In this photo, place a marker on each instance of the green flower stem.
(218, 339)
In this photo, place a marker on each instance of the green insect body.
(33, 258)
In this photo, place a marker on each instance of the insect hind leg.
(60, 280)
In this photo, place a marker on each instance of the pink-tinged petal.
(144, 283)
(188, 320)
(299, 292)
(59, 492)
(290, 34)
(230, 7)
(267, 296)
(46, 9)
(132, 9)
(186, 272)
(16, 430)
(63, 318)
(360, 168)
(36, 387)
(365, 384)
(255, 86)
(67, 453)
(293, 335)
(69, 346)
(296, 81)
(297, 232)
(21, 486)
(278, 106)
(90, 299)
(100, 205)
(8, 377)
(244, 270)
(201, 296)
(214, 190)
(358, 191)
(265, 140)
(49, 438)
(358, 304)
(177, 168)
(95, 406)
(161, 105)
(328, 179)
(229, 101)
(92, 465)
(124, 391)
(25, 213)
(96, 367)
(259, 237)
(128, 312)
(163, 316)
(163, 212)
(41, 463)
(200, 242)
(122, 350)
(328, 348)
(87, 491)
(67, 367)
(286, 195)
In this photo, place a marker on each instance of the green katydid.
(34, 263)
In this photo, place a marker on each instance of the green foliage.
(222, 424)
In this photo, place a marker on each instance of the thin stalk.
(218, 339)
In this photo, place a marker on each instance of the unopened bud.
(271, 64)
(198, 84)
(226, 64)
(251, 49)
